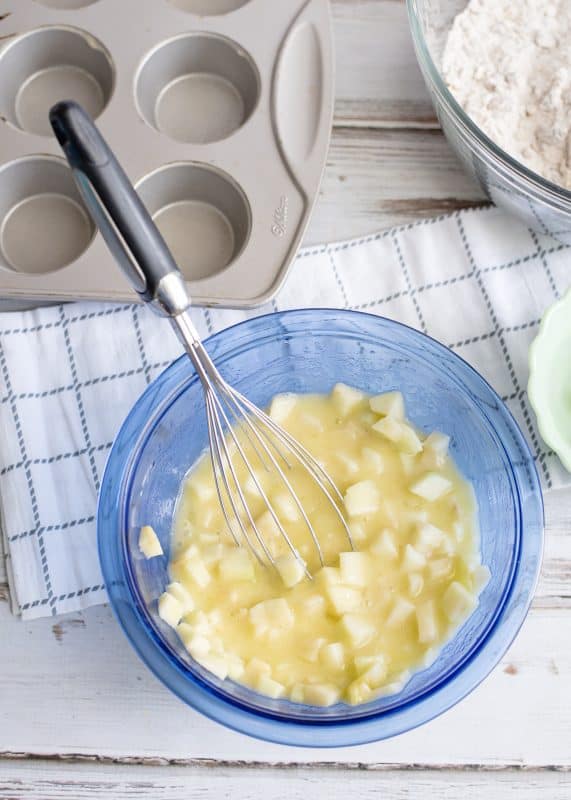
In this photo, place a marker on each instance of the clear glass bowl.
(309, 351)
(541, 204)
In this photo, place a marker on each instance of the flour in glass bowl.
(508, 64)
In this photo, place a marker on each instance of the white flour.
(508, 63)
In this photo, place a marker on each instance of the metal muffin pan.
(219, 110)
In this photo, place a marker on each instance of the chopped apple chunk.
(282, 406)
(170, 609)
(458, 602)
(320, 694)
(359, 629)
(389, 404)
(354, 568)
(431, 486)
(346, 399)
(344, 599)
(362, 498)
(385, 545)
(291, 569)
(427, 622)
(149, 543)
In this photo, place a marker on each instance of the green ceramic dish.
(549, 387)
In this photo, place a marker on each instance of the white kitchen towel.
(477, 281)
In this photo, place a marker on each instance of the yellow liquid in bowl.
(372, 615)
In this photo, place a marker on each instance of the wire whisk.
(146, 261)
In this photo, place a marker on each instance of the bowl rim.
(558, 195)
(461, 681)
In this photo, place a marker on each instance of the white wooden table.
(81, 717)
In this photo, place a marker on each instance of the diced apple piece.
(149, 544)
(376, 674)
(428, 538)
(201, 623)
(344, 598)
(214, 617)
(439, 569)
(236, 667)
(385, 545)
(427, 622)
(431, 486)
(358, 692)
(195, 570)
(255, 668)
(185, 632)
(332, 655)
(328, 576)
(237, 565)
(358, 628)
(203, 489)
(197, 646)
(415, 584)
(170, 609)
(182, 595)
(349, 465)
(401, 611)
(270, 687)
(309, 650)
(213, 553)
(268, 527)
(357, 531)
(389, 404)
(409, 441)
(354, 568)
(314, 604)
(252, 488)
(346, 399)
(291, 569)
(368, 419)
(297, 693)
(274, 613)
(395, 686)
(435, 450)
(403, 436)
(389, 428)
(320, 694)
(373, 460)
(362, 498)
(312, 422)
(458, 602)
(286, 508)
(281, 407)
(188, 553)
(362, 663)
(480, 578)
(413, 560)
(218, 665)
(458, 530)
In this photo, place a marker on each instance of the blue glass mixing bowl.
(309, 351)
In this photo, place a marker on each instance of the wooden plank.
(378, 178)
(57, 781)
(378, 79)
(76, 687)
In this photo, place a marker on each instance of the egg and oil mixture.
(372, 615)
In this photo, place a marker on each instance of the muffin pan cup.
(221, 121)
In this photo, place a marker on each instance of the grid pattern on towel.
(476, 280)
